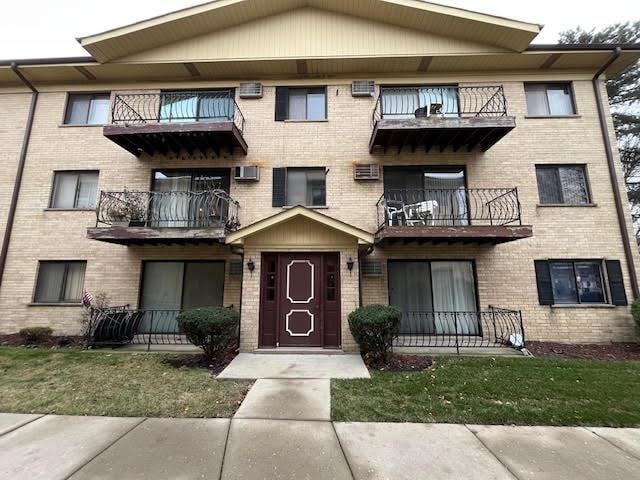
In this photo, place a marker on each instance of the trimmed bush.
(635, 311)
(34, 335)
(374, 327)
(212, 328)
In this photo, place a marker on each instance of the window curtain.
(410, 290)
(64, 192)
(203, 284)
(87, 190)
(50, 278)
(453, 291)
(74, 282)
(98, 111)
(448, 191)
(178, 107)
(161, 290)
(215, 107)
(298, 104)
(401, 103)
(171, 209)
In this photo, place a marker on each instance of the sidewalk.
(308, 447)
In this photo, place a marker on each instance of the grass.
(497, 391)
(75, 382)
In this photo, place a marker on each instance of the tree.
(624, 97)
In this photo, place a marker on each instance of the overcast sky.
(48, 28)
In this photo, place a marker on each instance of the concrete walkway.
(261, 365)
(58, 447)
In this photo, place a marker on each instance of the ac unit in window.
(250, 90)
(363, 88)
(366, 172)
(247, 174)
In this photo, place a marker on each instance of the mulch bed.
(610, 351)
(16, 340)
(200, 361)
(401, 363)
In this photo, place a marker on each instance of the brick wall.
(505, 272)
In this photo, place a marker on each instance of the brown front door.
(300, 300)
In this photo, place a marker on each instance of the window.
(301, 103)
(178, 199)
(562, 184)
(299, 186)
(87, 109)
(182, 285)
(211, 106)
(428, 292)
(443, 189)
(579, 282)
(549, 99)
(424, 101)
(74, 190)
(60, 282)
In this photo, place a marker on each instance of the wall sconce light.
(250, 265)
(350, 264)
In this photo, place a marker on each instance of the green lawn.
(497, 391)
(75, 382)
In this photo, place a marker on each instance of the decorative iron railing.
(119, 326)
(177, 107)
(449, 207)
(422, 102)
(495, 327)
(203, 209)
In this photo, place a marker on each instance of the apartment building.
(295, 159)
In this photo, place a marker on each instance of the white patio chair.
(416, 214)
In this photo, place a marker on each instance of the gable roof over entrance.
(218, 15)
(238, 237)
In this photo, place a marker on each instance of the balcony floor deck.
(478, 234)
(440, 132)
(164, 138)
(157, 236)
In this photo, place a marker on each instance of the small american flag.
(87, 299)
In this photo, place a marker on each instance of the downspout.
(20, 171)
(240, 252)
(620, 209)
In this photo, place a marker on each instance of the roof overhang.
(222, 14)
(238, 237)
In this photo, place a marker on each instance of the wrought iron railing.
(202, 209)
(492, 328)
(449, 207)
(425, 101)
(118, 326)
(178, 107)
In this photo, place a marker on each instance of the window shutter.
(543, 279)
(616, 283)
(279, 187)
(282, 103)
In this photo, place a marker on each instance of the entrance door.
(300, 300)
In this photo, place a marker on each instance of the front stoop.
(290, 366)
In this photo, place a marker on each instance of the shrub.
(374, 327)
(635, 311)
(213, 328)
(32, 335)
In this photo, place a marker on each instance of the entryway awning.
(238, 237)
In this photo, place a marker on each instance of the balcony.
(164, 218)
(440, 118)
(462, 215)
(173, 122)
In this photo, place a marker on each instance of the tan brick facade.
(505, 272)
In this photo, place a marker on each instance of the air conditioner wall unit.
(366, 172)
(363, 88)
(247, 174)
(251, 90)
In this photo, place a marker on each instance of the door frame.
(276, 304)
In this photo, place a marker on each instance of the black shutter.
(279, 197)
(543, 279)
(282, 103)
(616, 283)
